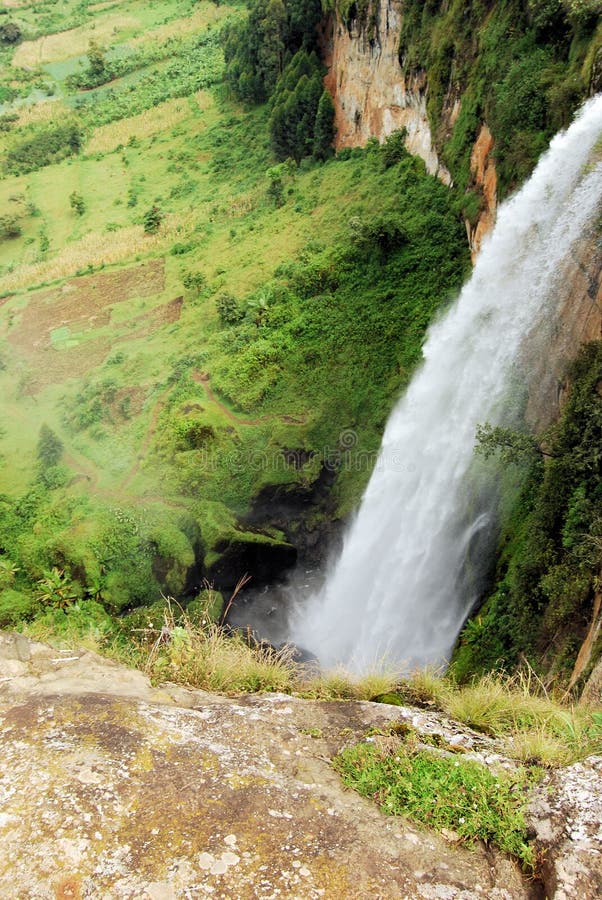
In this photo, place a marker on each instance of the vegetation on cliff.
(548, 577)
(205, 318)
(523, 66)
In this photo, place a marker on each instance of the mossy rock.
(208, 603)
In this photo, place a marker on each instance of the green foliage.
(57, 589)
(194, 281)
(10, 33)
(448, 792)
(47, 144)
(15, 607)
(77, 203)
(324, 127)
(295, 104)
(194, 66)
(10, 227)
(551, 550)
(7, 121)
(519, 67)
(394, 148)
(257, 51)
(50, 448)
(511, 446)
(152, 219)
(229, 309)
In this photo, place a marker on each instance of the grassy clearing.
(54, 47)
(148, 123)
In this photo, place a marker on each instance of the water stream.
(413, 560)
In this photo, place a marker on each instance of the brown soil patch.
(127, 403)
(156, 318)
(80, 305)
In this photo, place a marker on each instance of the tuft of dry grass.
(206, 656)
(424, 687)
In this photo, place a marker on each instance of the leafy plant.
(152, 219)
(77, 203)
(56, 589)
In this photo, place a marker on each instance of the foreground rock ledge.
(111, 788)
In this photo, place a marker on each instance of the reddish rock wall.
(371, 96)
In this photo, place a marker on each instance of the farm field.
(187, 327)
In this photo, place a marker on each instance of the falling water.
(401, 587)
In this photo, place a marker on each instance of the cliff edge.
(111, 787)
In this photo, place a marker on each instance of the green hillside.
(187, 326)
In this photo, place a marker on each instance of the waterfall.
(401, 588)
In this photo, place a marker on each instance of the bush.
(10, 227)
(10, 33)
(229, 309)
(50, 448)
(152, 220)
(77, 203)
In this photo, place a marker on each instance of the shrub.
(10, 227)
(77, 203)
(50, 448)
(10, 33)
(152, 220)
(229, 309)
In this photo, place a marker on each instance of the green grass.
(444, 792)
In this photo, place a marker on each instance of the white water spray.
(401, 588)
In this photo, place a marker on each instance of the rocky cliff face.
(371, 96)
(579, 285)
(484, 179)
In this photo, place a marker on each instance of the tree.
(96, 61)
(10, 33)
(257, 51)
(152, 220)
(324, 128)
(270, 53)
(50, 447)
(295, 107)
(77, 203)
(513, 447)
